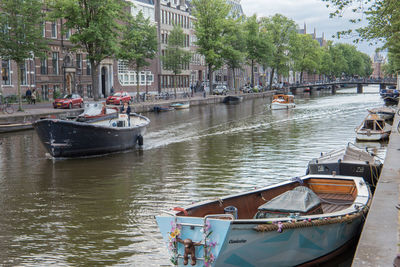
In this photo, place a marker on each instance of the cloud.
(313, 13)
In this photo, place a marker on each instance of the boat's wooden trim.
(247, 204)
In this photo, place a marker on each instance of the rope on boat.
(312, 223)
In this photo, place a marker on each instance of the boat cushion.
(300, 200)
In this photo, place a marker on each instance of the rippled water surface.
(100, 211)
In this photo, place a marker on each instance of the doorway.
(103, 80)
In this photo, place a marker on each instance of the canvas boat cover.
(94, 109)
(300, 199)
(349, 155)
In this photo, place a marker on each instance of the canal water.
(100, 211)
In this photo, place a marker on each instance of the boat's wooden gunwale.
(250, 201)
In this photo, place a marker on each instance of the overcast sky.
(312, 12)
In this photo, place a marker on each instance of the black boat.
(69, 138)
(349, 161)
(232, 99)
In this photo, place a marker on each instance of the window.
(89, 91)
(43, 65)
(54, 29)
(45, 92)
(23, 74)
(79, 61)
(126, 76)
(43, 26)
(5, 72)
(88, 68)
(55, 63)
(68, 34)
(142, 78)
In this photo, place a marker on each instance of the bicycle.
(6, 108)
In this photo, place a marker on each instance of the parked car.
(220, 90)
(68, 101)
(118, 98)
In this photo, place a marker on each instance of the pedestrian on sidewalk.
(33, 96)
(28, 95)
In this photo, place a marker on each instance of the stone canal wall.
(37, 113)
(379, 241)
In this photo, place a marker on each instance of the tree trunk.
(252, 73)
(19, 64)
(271, 78)
(137, 84)
(210, 78)
(175, 85)
(301, 77)
(95, 79)
(234, 79)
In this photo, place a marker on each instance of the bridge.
(333, 85)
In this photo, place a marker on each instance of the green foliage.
(138, 44)
(21, 34)
(383, 18)
(97, 26)
(211, 16)
(176, 56)
(306, 54)
(233, 52)
(258, 44)
(282, 32)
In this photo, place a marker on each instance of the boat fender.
(369, 132)
(339, 161)
(181, 209)
(139, 140)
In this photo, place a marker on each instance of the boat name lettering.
(237, 241)
(360, 169)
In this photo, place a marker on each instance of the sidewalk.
(32, 112)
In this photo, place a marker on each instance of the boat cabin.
(373, 122)
(283, 98)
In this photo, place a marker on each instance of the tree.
(139, 44)
(282, 32)
(306, 55)
(258, 44)
(21, 33)
(176, 58)
(234, 50)
(210, 29)
(382, 18)
(97, 25)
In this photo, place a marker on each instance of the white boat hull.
(282, 106)
(368, 135)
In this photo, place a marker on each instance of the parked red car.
(118, 98)
(68, 101)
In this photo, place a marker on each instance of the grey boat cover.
(300, 199)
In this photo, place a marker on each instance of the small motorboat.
(162, 108)
(282, 101)
(6, 127)
(386, 113)
(391, 100)
(373, 128)
(232, 99)
(348, 161)
(180, 105)
(305, 220)
(69, 138)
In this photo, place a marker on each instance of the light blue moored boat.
(304, 220)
